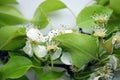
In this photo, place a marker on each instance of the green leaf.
(51, 75)
(10, 16)
(83, 48)
(114, 4)
(85, 20)
(52, 5)
(12, 37)
(8, 2)
(15, 68)
(40, 16)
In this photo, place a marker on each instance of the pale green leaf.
(40, 16)
(8, 2)
(52, 5)
(10, 16)
(12, 37)
(85, 20)
(15, 68)
(83, 48)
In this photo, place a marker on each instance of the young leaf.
(15, 68)
(10, 16)
(114, 4)
(12, 37)
(85, 20)
(40, 16)
(8, 2)
(82, 47)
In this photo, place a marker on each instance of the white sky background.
(59, 18)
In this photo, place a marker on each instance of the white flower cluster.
(106, 72)
(101, 32)
(34, 47)
(101, 18)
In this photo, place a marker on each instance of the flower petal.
(66, 58)
(28, 49)
(35, 35)
(57, 54)
(97, 78)
(40, 51)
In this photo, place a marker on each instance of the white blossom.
(28, 49)
(100, 32)
(102, 18)
(66, 58)
(116, 40)
(35, 35)
(114, 62)
(55, 33)
(40, 51)
(57, 54)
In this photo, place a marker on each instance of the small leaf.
(10, 16)
(85, 20)
(12, 37)
(8, 2)
(83, 48)
(15, 68)
(114, 4)
(40, 16)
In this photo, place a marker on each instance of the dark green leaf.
(40, 16)
(82, 47)
(15, 68)
(12, 37)
(85, 20)
(8, 2)
(10, 16)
